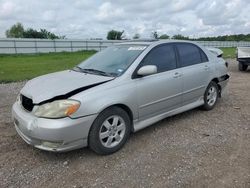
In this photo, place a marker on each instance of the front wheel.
(211, 96)
(242, 67)
(110, 131)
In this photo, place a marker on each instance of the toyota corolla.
(120, 90)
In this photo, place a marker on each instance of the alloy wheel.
(211, 96)
(112, 131)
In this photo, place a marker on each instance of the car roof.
(154, 42)
(135, 43)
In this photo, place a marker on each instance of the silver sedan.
(119, 90)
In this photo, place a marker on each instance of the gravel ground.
(192, 149)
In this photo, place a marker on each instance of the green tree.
(180, 37)
(164, 36)
(115, 35)
(16, 31)
(31, 33)
(155, 35)
(136, 36)
(239, 37)
(48, 35)
(42, 34)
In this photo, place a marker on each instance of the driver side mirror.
(147, 70)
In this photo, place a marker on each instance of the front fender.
(97, 99)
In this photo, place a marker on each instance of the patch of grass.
(229, 52)
(24, 67)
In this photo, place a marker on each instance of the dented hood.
(60, 83)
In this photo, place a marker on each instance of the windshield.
(112, 61)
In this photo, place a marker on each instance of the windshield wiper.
(96, 72)
(77, 68)
(99, 72)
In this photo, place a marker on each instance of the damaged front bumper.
(56, 135)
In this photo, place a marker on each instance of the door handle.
(206, 67)
(177, 75)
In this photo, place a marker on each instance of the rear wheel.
(242, 67)
(211, 96)
(110, 131)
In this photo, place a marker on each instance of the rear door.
(196, 71)
(160, 92)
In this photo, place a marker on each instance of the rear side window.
(163, 57)
(203, 57)
(190, 54)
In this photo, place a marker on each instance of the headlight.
(57, 109)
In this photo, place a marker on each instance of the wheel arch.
(125, 108)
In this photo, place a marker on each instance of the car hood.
(60, 83)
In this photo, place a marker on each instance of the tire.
(242, 67)
(110, 131)
(210, 96)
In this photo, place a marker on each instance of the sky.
(85, 19)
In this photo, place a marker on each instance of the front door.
(160, 92)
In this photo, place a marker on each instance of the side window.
(163, 57)
(189, 54)
(203, 57)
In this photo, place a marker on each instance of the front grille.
(27, 103)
